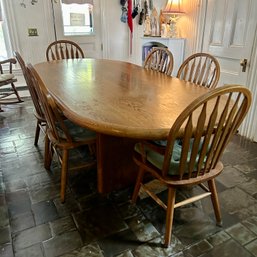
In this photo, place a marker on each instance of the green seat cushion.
(157, 159)
(76, 132)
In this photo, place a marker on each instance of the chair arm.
(153, 146)
(11, 61)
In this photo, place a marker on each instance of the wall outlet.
(32, 32)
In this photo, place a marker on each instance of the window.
(3, 51)
(77, 19)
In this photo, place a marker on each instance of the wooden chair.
(159, 59)
(63, 49)
(200, 68)
(6, 79)
(194, 146)
(64, 138)
(38, 111)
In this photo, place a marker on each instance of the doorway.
(90, 43)
(230, 35)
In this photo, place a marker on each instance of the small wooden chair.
(64, 138)
(195, 143)
(38, 111)
(63, 49)
(7, 78)
(201, 69)
(159, 59)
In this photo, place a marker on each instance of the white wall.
(115, 34)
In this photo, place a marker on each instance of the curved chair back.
(159, 59)
(63, 49)
(32, 90)
(207, 124)
(52, 115)
(39, 113)
(200, 68)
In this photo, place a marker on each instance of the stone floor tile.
(40, 178)
(44, 192)
(93, 225)
(241, 234)
(44, 212)
(125, 254)
(91, 250)
(198, 249)
(31, 236)
(59, 226)
(128, 210)
(196, 230)
(251, 223)
(228, 249)
(5, 235)
(218, 238)
(22, 222)
(155, 248)
(15, 185)
(70, 206)
(235, 199)
(4, 218)
(249, 186)
(247, 167)
(118, 243)
(231, 177)
(62, 244)
(142, 228)
(18, 202)
(252, 247)
(32, 251)
(6, 250)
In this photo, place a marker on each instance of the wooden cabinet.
(175, 45)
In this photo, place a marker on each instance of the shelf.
(175, 45)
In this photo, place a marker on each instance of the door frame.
(249, 125)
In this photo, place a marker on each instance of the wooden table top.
(117, 98)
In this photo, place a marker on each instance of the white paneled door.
(90, 44)
(229, 35)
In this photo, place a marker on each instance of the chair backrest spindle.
(200, 68)
(159, 59)
(63, 49)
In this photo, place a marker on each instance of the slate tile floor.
(33, 222)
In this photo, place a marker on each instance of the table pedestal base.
(115, 166)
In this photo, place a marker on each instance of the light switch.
(32, 32)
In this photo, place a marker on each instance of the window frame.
(78, 34)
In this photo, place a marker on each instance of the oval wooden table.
(122, 102)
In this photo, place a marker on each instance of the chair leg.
(169, 215)
(16, 93)
(37, 134)
(138, 185)
(65, 156)
(215, 201)
(48, 153)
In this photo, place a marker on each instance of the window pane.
(3, 52)
(77, 19)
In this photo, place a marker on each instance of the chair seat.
(157, 159)
(6, 77)
(76, 132)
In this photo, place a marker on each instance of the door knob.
(243, 63)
